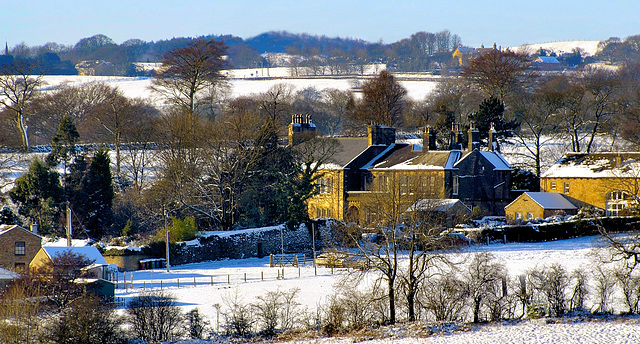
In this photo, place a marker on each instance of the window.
(553, 185)
(455, 186)
(20, 267)
(518, 216)
(566, 187)
(325, 185)
(20, 248)
(529, 216)
(616, 202)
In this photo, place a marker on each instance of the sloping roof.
(494, 158)
(88, 251)
(350, 147)
(407, 158)
(546, 59)
(437, 204)
(6, 228)
(596, 165)
(7, 275)
(549, 200)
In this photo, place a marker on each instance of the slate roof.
(550, 200)
(350, 148)
(7, 228)
(406, 158)
(88, 251)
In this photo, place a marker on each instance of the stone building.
(379, 167)
(18, 246)
(608, 180)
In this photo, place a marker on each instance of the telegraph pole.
(166, 229)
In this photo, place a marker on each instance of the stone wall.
(252, 243)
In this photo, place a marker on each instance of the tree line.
(422, 51)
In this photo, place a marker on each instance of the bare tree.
(382, 101)
(497, 73)
(18, 87)
(155, 317)
(190, 70)
(485, 281)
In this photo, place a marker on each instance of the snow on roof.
(7, 275)
(227, 234)
(494, 158)
(549, 200)
(374, 160)
(88, 251)
(596, 165)
(435, 204)
(6, 228)
(547, 59)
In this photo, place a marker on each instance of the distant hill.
(589, 48)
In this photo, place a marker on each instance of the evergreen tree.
(90, 193)
(39, 196)
(491, 110)
(63, 144)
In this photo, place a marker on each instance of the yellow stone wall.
(523, 205)
(332, 202)
(40, 261)
(592, 191)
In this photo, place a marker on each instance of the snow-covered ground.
(218, 281)
(138, 87)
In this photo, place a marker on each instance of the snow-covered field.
(138, 87)
(218, 281)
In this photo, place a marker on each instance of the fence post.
(211, 280)
(228, 279)
(144, 285)
(262, 275)
(315, 269)
(160, 284)
(245, 277)
(271, 260)
(298, 272)
(194, 281)
(178, 283)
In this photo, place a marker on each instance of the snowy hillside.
(589, 48)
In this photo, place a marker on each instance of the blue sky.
(507, 23)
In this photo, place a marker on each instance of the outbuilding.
(532, 205)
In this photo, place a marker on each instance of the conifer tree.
(39, 195)
(491, 110)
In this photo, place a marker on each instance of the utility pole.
(69, 226)
(166, 229)
(313, 241)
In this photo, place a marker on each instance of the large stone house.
(608, 181)
(379, 167)
(18, 246)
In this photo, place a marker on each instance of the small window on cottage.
(553, 185)
(20, 248)
(566, 188)
(518, 216)
(529, 216)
